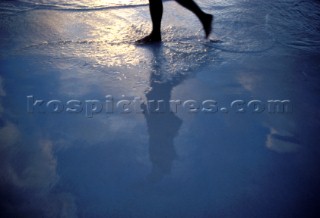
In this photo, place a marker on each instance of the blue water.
(174, 163)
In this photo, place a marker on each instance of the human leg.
(156, 10)
(206, 19)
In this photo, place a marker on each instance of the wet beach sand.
(81, 136)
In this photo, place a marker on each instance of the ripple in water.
(243, 37)
(9, 7)
(296, 24)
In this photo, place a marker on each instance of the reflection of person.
(156, 10)
(162, 129)
(163, 126)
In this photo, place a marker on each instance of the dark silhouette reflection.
(163, 125)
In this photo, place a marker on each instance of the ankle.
(155, 34)
(205, 17)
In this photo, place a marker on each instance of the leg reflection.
(163, 126)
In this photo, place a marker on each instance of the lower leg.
(156, 10)
(206, 19)
(192, 6)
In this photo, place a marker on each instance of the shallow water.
(172, 164)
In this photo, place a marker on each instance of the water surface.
(171, 164)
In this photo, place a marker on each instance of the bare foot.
(152, 38)
(207, 24)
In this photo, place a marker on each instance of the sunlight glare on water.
(85, 3)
